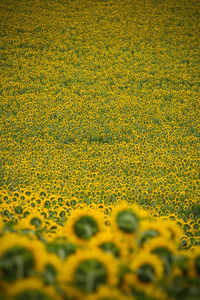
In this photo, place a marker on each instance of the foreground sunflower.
(111, 243)
(126, 218)
(149, 230)
(87, 270)
(164, 249)
(83, 224)
(145, 270)
(20, 256)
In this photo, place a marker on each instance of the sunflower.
(125, 219)
(164, 249)
(87, 270)
(145, 271)
(19, 256)
(151, 229)
(111, 243)
(175, 231)
(33, 221)
(49, 266)
(83, 224)
(30, 288)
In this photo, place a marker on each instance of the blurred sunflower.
(146, 269)
(84, 224)
(19, 256)
(111, 243)
(175, 231)
(33, 221)
(151, 229)
(146, 273)
(87, 270)
(125, 219)
(164, 249)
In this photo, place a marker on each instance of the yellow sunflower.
(24, 288)
(146, 269)
(87, 270)
(151, 229)
(164, 249)
(83, 224)
(175, 231)
(125, 219)
(33, 221)
(111, 243)
(20, 256)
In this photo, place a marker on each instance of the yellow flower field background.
(99, 149)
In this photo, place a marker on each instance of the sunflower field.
(99, 168)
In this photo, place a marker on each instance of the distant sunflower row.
(116, 252)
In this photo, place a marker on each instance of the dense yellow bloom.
(99, 125)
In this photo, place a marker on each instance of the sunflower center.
(16, 263)
(85, 227)
(110, 247)
(146, 273)
(90, 274)
(127, 221)
(32, 295)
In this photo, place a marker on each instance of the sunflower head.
(146, 270)
(126, 218)
(165, 250)
(20, 256)
(111, 243)
(88, 269)
(174, 230)
(83, 224)
(16, 262)
(149, 230)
